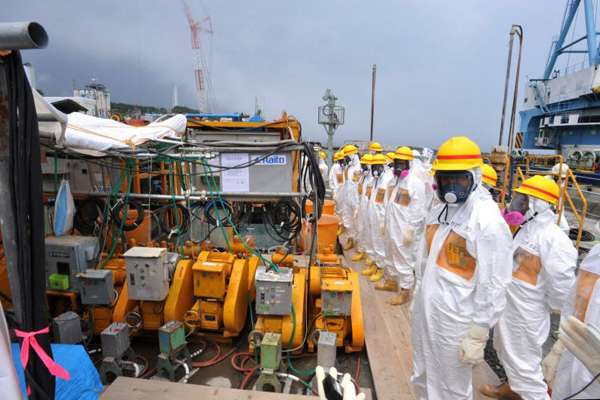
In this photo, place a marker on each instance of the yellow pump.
(285, 325)
(334, 298)
(222, 293)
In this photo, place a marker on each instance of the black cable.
(27, 214)
(224, 213)
(116, 210)
(87, 214)
(165, 214)
(583, 389)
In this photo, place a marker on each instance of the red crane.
(201, 70)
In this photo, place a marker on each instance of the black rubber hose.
(87, 214)
(115, 212)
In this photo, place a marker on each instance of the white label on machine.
(273, 159)
(235, 180)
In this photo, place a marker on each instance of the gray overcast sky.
(440, 63)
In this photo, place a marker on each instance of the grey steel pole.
(373, 78)
(511, 137)
(506, 80)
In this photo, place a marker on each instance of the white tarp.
(91, 135)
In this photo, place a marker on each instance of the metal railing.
(569, 180)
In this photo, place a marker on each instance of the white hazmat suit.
(543, 271)
(376, 216)
(360, 216)
(462, 293)
(583, 303)
(336, 179)
(406, 210)
(349, 197)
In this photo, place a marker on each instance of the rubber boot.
(369, 261)
(377, 276)
(349, 244)
(358, 256)
(341, 229)
(402, 297)
(368, 271)
(388, 285)
(502, 391)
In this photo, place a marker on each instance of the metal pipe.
(197, 196)
(519, 32)
(373, 78)
(22, 35)
(506, 80)
(590, 28)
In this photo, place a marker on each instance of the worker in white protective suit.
(543, 272)
(462, 294)
(489, 180)
(336, 178)
(360, 213)
(406, 209)
(323, 167)
(563, 372)
(375, 148)
(349, 195)
(382, 176)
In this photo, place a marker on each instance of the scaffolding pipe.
(22, 35)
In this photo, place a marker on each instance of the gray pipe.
(22, 35)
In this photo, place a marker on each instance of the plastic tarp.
(84, 383)
(93, 136)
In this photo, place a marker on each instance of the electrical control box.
(336, 297)
(115, 340)
(67, 328)
(171, 337)
(270, 352)
(66, 257)
(326, 349)
(96, 287)
(147, 273)
(274, 291)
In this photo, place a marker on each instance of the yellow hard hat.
(379, 159)
(376, 147)
(538, 186)
(350, 149)
(367, 159)
(337, 156)
(458, 153)
(489, 175)
(390, 156)
(403, 153)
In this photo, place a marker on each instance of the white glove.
(550, 363)
(472, 346)
(349, 390)
(583, 340)
(408, 237)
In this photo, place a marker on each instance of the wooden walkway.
(387, 337)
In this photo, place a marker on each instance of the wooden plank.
(138, 389)
(391, 372)
(133, 389)
(388, 327)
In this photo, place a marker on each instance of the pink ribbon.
(29, 339)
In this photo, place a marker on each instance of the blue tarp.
(84, 383)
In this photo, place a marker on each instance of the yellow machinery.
(335, 303)
(221, 289)
(290, 326)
